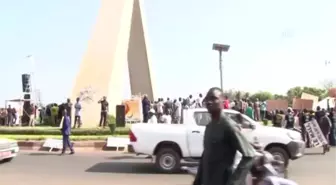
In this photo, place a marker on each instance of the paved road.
(119, 169)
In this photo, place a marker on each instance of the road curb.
(82, 145)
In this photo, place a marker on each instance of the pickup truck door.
(196, 133)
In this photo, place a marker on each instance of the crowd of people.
(169, 111)
(10, 116)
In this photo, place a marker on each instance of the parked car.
(169, 143)
(8, 149)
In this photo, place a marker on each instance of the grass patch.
(44, 137)
(56, 131)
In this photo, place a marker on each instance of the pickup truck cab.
(8, 149)
(170, 143)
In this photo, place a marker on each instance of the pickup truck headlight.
(13, 145)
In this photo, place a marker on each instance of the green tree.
(231, 94)
(296, 92)
(279, 97)
(238, 95)
(262, 96)
(315, 91)
(246, 95)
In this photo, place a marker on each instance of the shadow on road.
(123, 167)
(43, 154)
(315, 153)
(121, 157)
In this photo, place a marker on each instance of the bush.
(56, 131)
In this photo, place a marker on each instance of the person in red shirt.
(226, 103)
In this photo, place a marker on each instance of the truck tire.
(168, 160)
(8, 159)
(280, 154)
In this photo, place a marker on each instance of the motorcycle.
(266, 170)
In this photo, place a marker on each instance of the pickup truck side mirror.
(239, 118)
(244, 123)
(252, 126)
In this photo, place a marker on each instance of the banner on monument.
(315, 134)
(276, 105)
(133, 109)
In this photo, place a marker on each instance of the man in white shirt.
(166, 118)
(152, 117)
(160, 108)
(199, 101)
(177, 111)
(78, 108)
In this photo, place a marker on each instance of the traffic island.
(56, 145)
(50, 138)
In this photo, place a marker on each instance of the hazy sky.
(281, 41)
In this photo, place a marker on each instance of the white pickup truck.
(170, 143)
(8, 149)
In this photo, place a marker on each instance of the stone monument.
(119, 36)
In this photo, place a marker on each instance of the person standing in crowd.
(177, 111)
(263, 110)
(78, 108)
(42, 114)
(151, 116)
(304, 118)
(249, 111)
(166, 118)
(332, 117)
(199, 101)
(226, 102)
(103, 111)
(289, 118)
(257, 110)
(159, 108)
(68, 107)
(222, 140)
(318, 114)
(9, 115)
(168, 105)
(189, 101)
(3, 117)
(146, 105)
(15, 115)
(244, 105)
(325, 125)
(278, 118)
(66, 132)
(32, 115)
(54, 113)
(239, 105)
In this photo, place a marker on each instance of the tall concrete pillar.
(119, 36)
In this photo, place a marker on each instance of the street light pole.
(32, 78)
(221, 48)
(221, 69)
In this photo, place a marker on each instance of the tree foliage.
(294, 92)
(261, 96)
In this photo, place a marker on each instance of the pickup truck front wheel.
(168, 160)
(280, 154)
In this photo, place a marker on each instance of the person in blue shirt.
(66, 132)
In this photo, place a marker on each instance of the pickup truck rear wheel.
(168, 160)
(279, 154)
